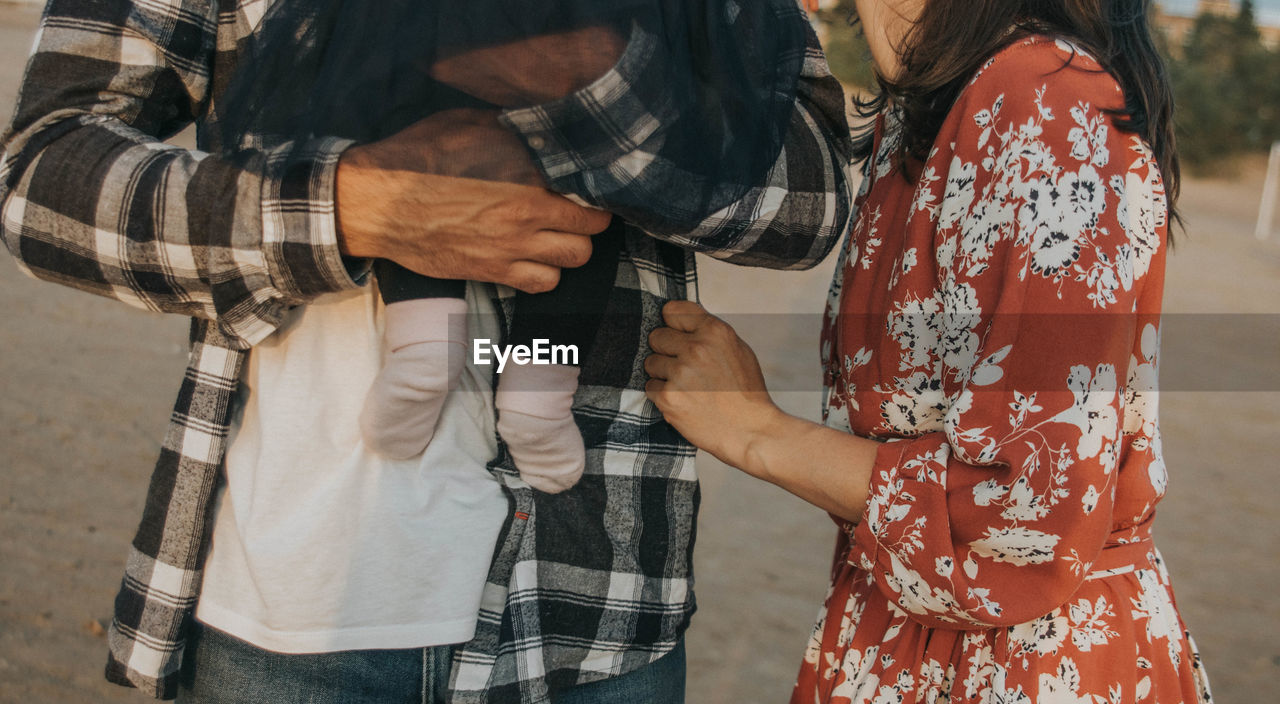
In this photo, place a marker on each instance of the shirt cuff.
(299, 221)
(882, 497)
(608, 120)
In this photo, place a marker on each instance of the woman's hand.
(707, 382)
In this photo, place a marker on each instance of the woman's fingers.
(668, 341)
(685, 316)
(659, 366)
(704, 380)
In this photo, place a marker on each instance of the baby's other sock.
(535, 418)
(426, 350)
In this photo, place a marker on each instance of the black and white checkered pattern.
(586, 584)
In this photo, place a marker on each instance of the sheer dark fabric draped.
(365, 70)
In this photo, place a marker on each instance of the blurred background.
(86, 386)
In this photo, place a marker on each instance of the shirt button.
(537, 143)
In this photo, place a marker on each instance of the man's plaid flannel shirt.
(586, 584)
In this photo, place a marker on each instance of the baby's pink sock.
(535, 418)
(427, 344)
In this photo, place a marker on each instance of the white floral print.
(997, 324)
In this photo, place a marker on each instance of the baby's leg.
(426, 338)
(535, 402)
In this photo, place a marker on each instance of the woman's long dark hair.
(951, 40)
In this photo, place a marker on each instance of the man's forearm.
(92, 198)
(791, 218)
(167, 229)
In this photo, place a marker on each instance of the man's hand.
(391, 206)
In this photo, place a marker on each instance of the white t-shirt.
(319, 545)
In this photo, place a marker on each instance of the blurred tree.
(1227, 87)
(846, 48)
(1226, 82)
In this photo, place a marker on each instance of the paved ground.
(85, 387)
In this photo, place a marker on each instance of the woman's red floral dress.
(996, 322)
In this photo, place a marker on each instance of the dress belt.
(1119, 558)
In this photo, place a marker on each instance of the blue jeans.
(221, 669)
(659, 682)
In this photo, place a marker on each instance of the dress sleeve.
(92, 197)
(601, 140)
(1049, 226)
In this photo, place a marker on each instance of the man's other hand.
(533, 70)
(463, 142)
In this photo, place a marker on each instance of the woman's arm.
(994, 514)
(708, 384)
